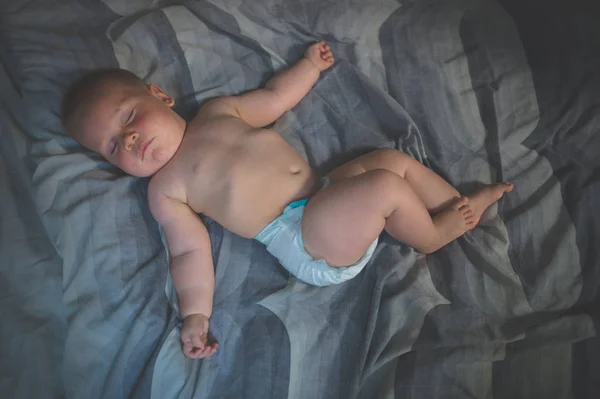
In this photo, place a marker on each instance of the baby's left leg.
(433, 190)
(341, 221)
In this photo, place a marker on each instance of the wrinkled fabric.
(479, 91)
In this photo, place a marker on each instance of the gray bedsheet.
(478, 91)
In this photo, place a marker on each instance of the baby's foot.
(481, 199)
(450, 224)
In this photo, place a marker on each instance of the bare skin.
(387, 189)
(225, 165)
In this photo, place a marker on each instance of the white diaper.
(283, 238)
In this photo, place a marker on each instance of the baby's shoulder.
(217, 106)
(166, 184)
(217, 111)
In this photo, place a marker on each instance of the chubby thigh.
(342, 220)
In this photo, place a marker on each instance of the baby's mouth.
(145, 146)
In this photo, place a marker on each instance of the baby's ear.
(161, 94)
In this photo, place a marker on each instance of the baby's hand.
(320, 55)
(194, 337)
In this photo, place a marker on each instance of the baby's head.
(131, 124)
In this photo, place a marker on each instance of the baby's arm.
(192, 271)
(282, 92)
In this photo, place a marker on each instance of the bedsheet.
(33, 321)
(480, 91)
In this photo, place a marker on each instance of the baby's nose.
(130, 139)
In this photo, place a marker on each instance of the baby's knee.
(390, 158)
(386, 154)
(384, 181)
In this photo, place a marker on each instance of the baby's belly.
(253, 204)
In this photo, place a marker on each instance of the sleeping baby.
(226, 165)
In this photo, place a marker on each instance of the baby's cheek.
(127, 164)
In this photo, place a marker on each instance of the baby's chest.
(235, 152)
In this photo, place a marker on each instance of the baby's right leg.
(433, 190)
(342, 220)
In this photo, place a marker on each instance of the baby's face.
(133, 128)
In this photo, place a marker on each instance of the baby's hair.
(91, 86)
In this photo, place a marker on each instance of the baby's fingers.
(191, 351)
(199, 340)
(324, 49)
(322, 46)
(213, 349)
(205, 352)
(209, 350)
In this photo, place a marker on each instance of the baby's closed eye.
(130, 117)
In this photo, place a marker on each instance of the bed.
(478, 90)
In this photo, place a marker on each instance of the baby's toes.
(459, 203)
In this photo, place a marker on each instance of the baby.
(226, 165)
